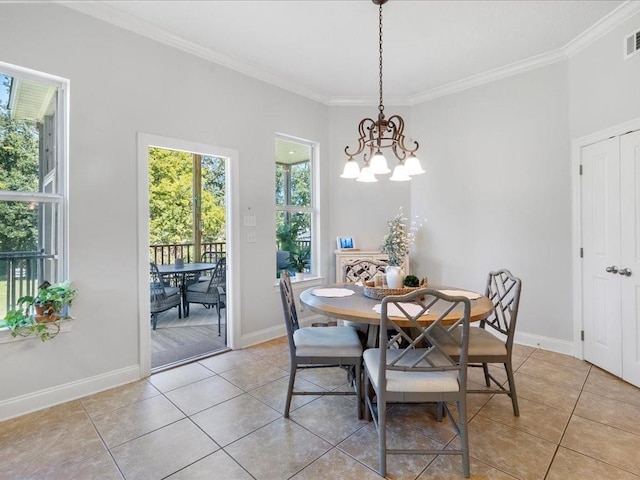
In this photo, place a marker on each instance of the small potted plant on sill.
(40, 315)
(299, 261)
(50, 303)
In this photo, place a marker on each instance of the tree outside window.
(294, 203)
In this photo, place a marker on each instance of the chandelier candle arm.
(376, 135)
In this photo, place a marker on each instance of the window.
(32, 182)
(295, 205)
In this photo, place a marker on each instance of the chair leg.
(358, 382)
(464, 436)
(512, 388)
(292, 379)
(154, 320)
(382, 435)
(485, 369)
(219, 317)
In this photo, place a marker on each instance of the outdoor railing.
(163, 254)
(20, 274)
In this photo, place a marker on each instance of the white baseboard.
(546, 343)
(275, 332)
(14, 407)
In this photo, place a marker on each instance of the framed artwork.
(345, 243)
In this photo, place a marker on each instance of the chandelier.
(384, 133)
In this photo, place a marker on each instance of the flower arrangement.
(399, 238)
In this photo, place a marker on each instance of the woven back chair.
(411, 374)
(162, 296)
(212, 293)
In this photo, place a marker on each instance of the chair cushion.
(200, 287)
(171, 291)
(398, 381)
(483, 343)
(327, 342)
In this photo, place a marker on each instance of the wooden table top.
(359, 308)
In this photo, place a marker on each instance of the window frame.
(313, 209)
(60, 196)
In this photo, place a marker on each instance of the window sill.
(6, 337)
(305, 283)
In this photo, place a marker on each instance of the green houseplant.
(40, 314)
(299, 261)
(51, 301)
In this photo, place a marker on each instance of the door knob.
(625, 271)
(612, 269)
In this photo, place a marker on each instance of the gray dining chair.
(210, 294)
(162, 296)
(312, 347)
(503, 289)
(415, 374)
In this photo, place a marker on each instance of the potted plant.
(50, 303)
(299, 261)
(396, 244)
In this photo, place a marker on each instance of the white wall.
(497, 193)
(604, 89)
(122, 84)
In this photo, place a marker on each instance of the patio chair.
(209, 257)
(311, 347)
(211, 293)
(162, 296)
(411, 374)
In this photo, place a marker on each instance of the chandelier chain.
(381, 106)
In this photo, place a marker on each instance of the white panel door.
(630, 255)
(600, 201)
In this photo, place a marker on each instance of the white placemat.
(393, 311)
(462, 293)
(332, 292)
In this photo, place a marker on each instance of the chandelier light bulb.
(379, 164)
(366, 175)
(413, 165)
(400, 174)
(351, 169)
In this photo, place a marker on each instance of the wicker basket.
(378, 293)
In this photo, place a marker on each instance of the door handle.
(625, 271)
(612, 269)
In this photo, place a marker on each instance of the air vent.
(632, 44)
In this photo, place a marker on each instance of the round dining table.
(359, 308)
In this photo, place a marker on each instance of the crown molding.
(602, 27)
(491, 76)
(102, 11)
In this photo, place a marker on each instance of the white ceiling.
(328, 49)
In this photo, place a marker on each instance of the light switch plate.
(249, 220)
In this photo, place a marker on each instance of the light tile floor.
(221, 418)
